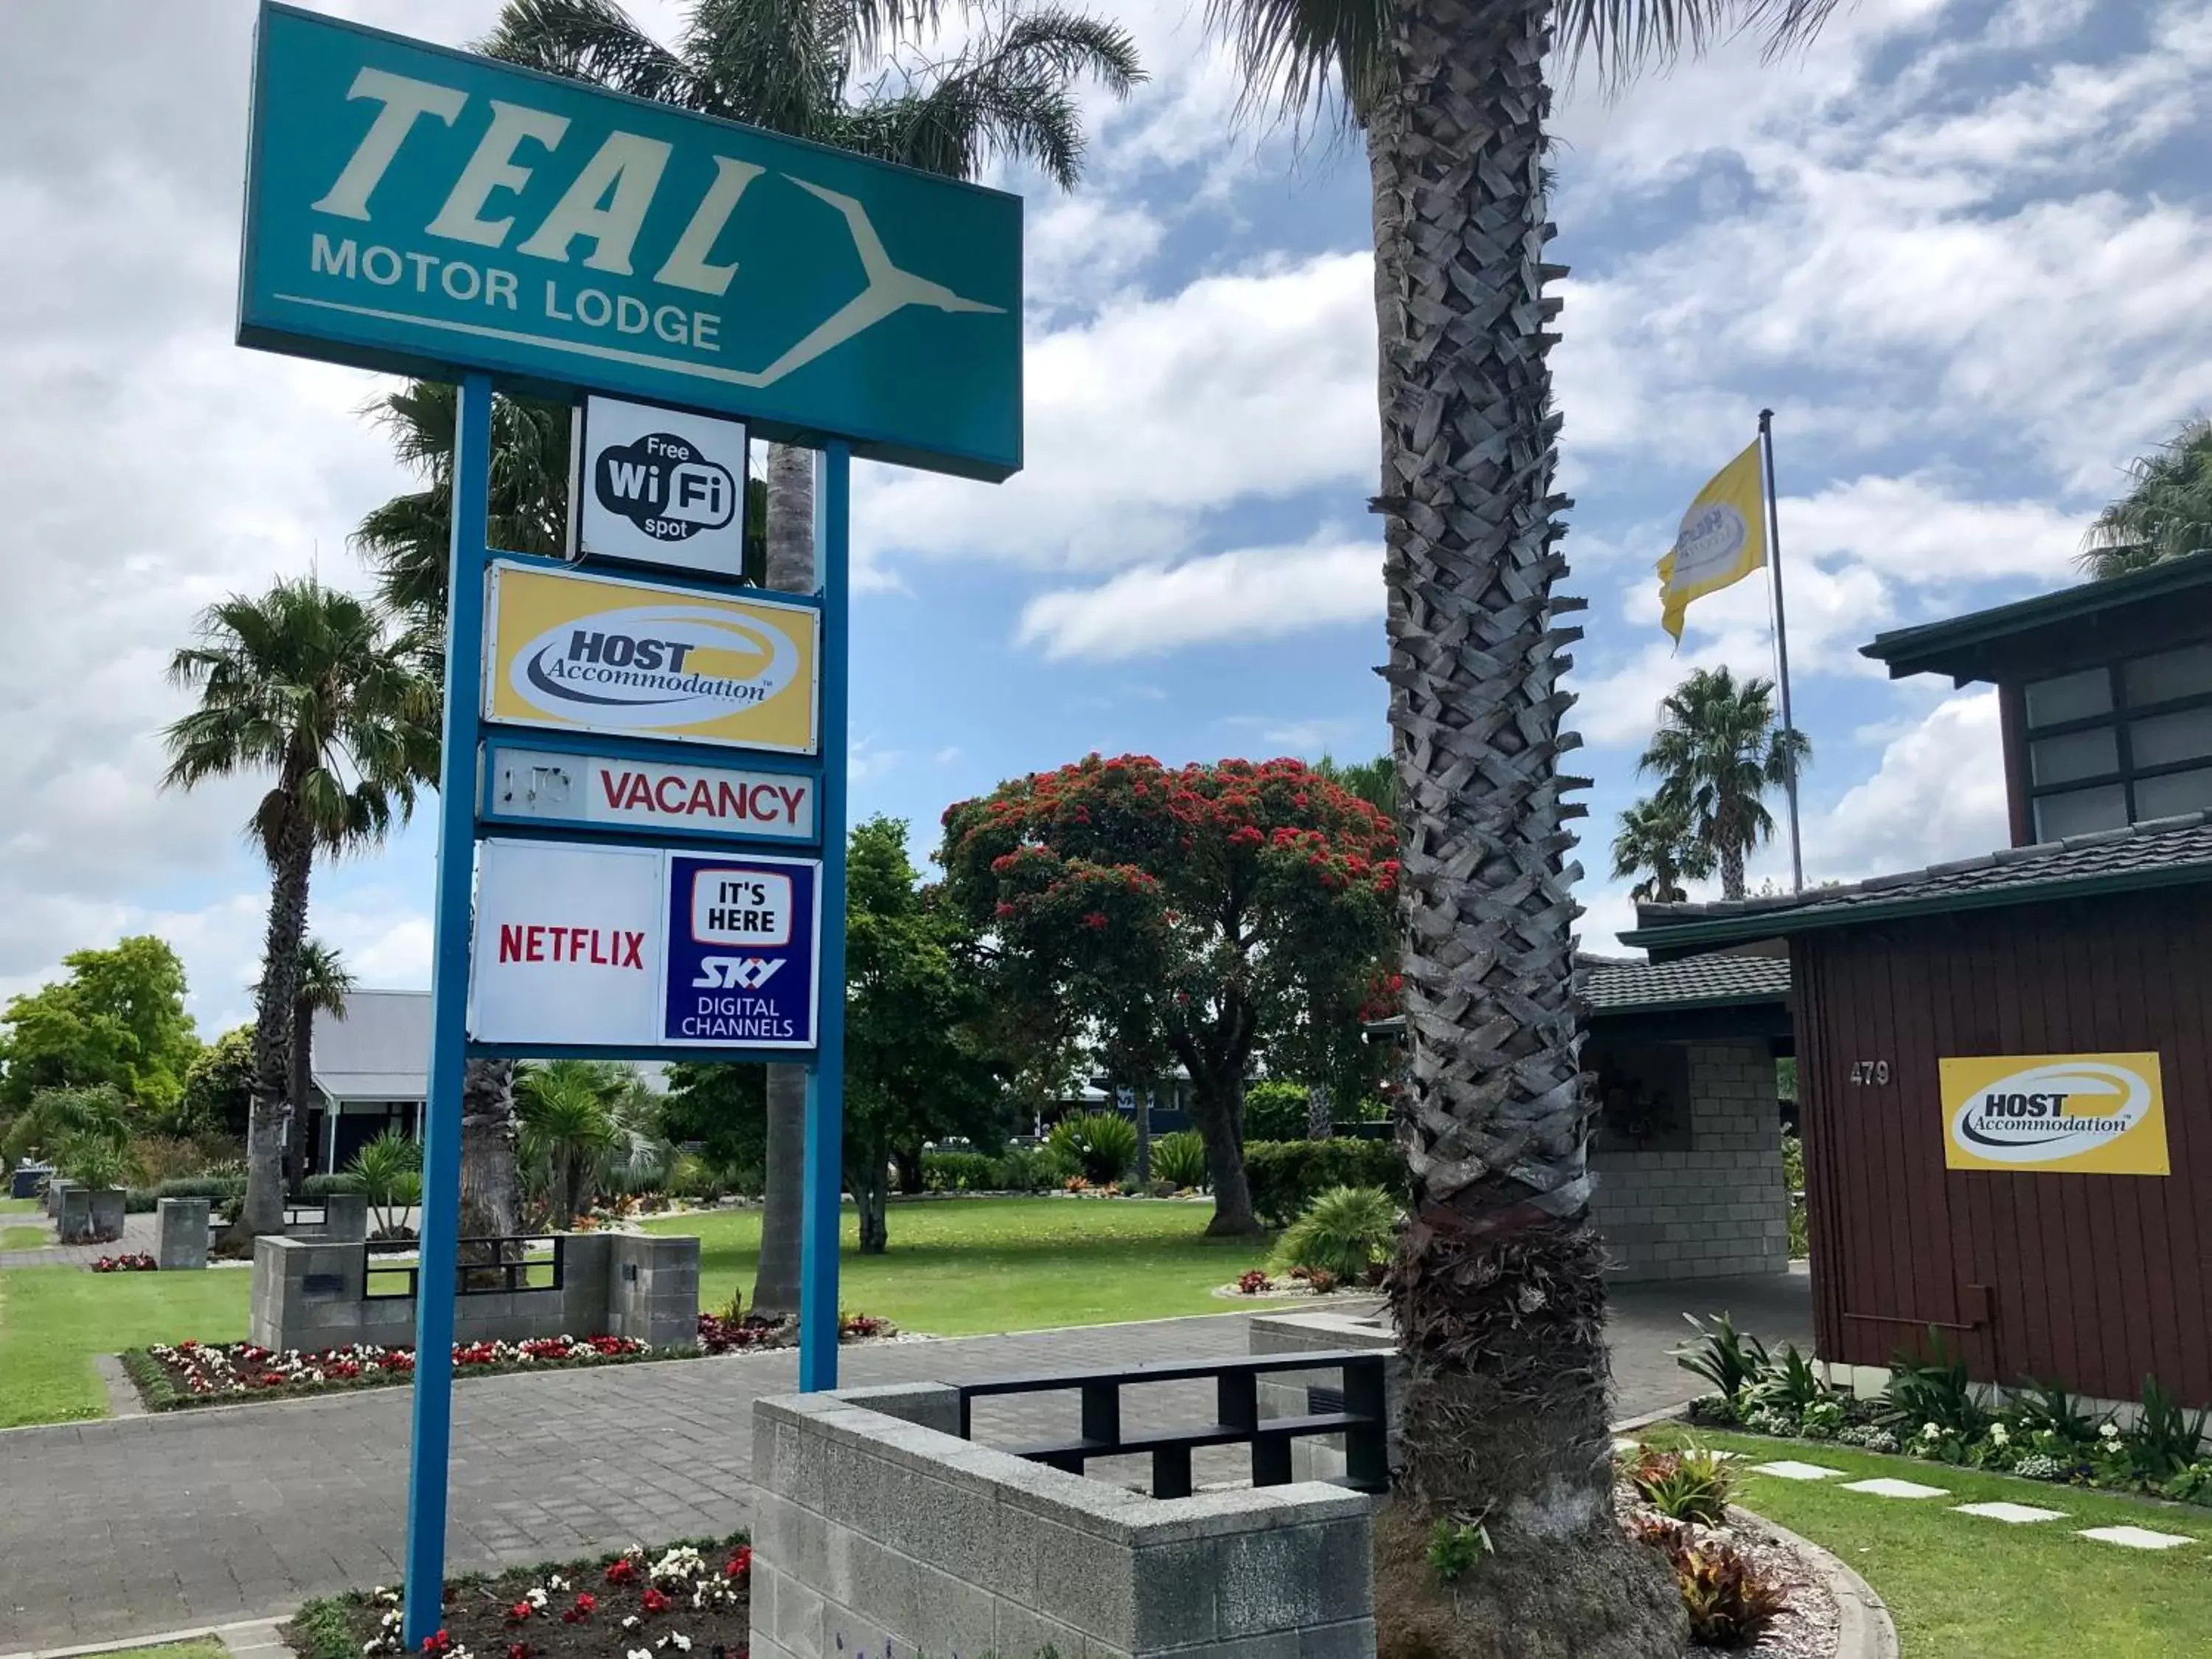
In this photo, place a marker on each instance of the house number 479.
(1870, 1070)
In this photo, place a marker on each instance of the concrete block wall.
(309, 1294)
(1719, 1208)
(877, 1531)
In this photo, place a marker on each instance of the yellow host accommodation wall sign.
(596, 653)
(2055, 1113)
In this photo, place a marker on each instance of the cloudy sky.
(1963, 248)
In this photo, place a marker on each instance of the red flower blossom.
(519, 1611)
(1095, 918)
(440, 1643)
(741, 1564)
(654, 1600)
(518, 1650)
(624, 1571)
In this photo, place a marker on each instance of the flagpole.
(1781, 638)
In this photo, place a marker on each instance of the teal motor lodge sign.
(411, 209)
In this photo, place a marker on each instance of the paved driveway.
(121, 1527)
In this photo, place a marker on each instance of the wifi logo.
(665, 487)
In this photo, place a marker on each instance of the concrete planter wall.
(85, 1217)
(879, 1532)
(180, 1233)
(308, 1295)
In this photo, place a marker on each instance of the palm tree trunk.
(1498, 1286)
(301, 1087)
(790, 571)
(262, 1208)
(1732, 870)
(1321, 1122)
(491, 1187)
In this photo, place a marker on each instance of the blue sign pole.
(436, 1282)
(825, 1077)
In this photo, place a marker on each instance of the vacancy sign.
(657, 486)
(551, 787)
(567, 943)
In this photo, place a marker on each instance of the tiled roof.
(1618, 987)
(2165, 852)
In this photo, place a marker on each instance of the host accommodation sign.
(412, 209)
(598, 653)
(2072, 1113)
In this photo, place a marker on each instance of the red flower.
(587, 1602)
(741, 1564)
(517, 1650)
(519, 1611)
(654, 1602)
(442, 1643)
(1095, 918)
(624, 1571)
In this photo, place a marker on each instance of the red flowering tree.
(1192, 914)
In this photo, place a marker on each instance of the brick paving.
(113, 1529)
(139, 1233)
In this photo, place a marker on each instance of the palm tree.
(324, 982)
(1375, 782)
(2167, 513)
(566, 1129)
(789, 65)
(1716, 752)
(1498, 1288)
(1654, 836)
(303, 682)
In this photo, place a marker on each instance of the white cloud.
(1938, 794)
(1155, 413)
(1252, 594)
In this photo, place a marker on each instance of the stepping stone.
(2136, 1538)
(2019, 1515)
(1622, 1447)
(1886, 1487)
(1787, 1470)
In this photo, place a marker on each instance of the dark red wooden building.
(2096, 945)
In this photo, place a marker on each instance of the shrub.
(1772, 1420)
(1346, 1231)
(1275, 1110)
(1793, 1187)
(1027, 1170)
(317, 1188)
(1180, 1157)
(2045, 1416)
(1936, 1390)
(1100, 1145)
(1252, 1281)
(1714, 1410)
(1869, 1436)
(1788, 1384)
(95, 1161)
(2164, 1439)
(2038, 1465)
(1730, 1600)
(1286, 1176)
(1725, 1357)
(217, 1188)
(1685, 1485)
(1824, 1419)
(1456, 1545)
(691, 1176)
(958, 1172)
(163, 1158)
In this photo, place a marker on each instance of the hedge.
(1286, 1176)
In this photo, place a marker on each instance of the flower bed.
(719, 1334)
(1931, 1410)
(211, 1373)
(685, 1599)
(139, 1262)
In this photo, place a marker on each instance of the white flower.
(641, 1653)
(2000, 1434)
(536, 1598)
(632, 1622)
(683, 1642)
(2111, 1432)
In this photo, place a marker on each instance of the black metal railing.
(1362, 1418)
(490, 1266)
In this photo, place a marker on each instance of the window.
(2070, 698)
(2168, 675)
(2078, 812)
(2120, 744)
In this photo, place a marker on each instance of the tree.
(1498, 1287)
(219, 1087)
(1196, 913)
(118, 1020)
(303, 682)
(1654, 836)
(918, 1060)
(565, 1128)
(322, 986)
(2167, 513)
(54, 1119)
(1716, 752)
(790, 66)
(1375, 782)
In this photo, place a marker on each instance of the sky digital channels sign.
(413, 209)
(632, 949)
(598, 653)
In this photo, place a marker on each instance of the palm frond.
(2167, 513)
(1619, 37)
(1298, 55)
(594, 40)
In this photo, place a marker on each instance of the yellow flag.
(1723, 539)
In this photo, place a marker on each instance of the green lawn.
(21, 1206)
(54, 1320)
(1961, 1584)
(23, 1238)
(204, 1647)
(961, 1266)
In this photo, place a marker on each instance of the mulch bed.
(686, 1599)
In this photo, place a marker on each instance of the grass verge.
(199, 1647)
(53, 1321)
(967, 1267)
(23, 1238)
(1964, 1584)
(22, 1206)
